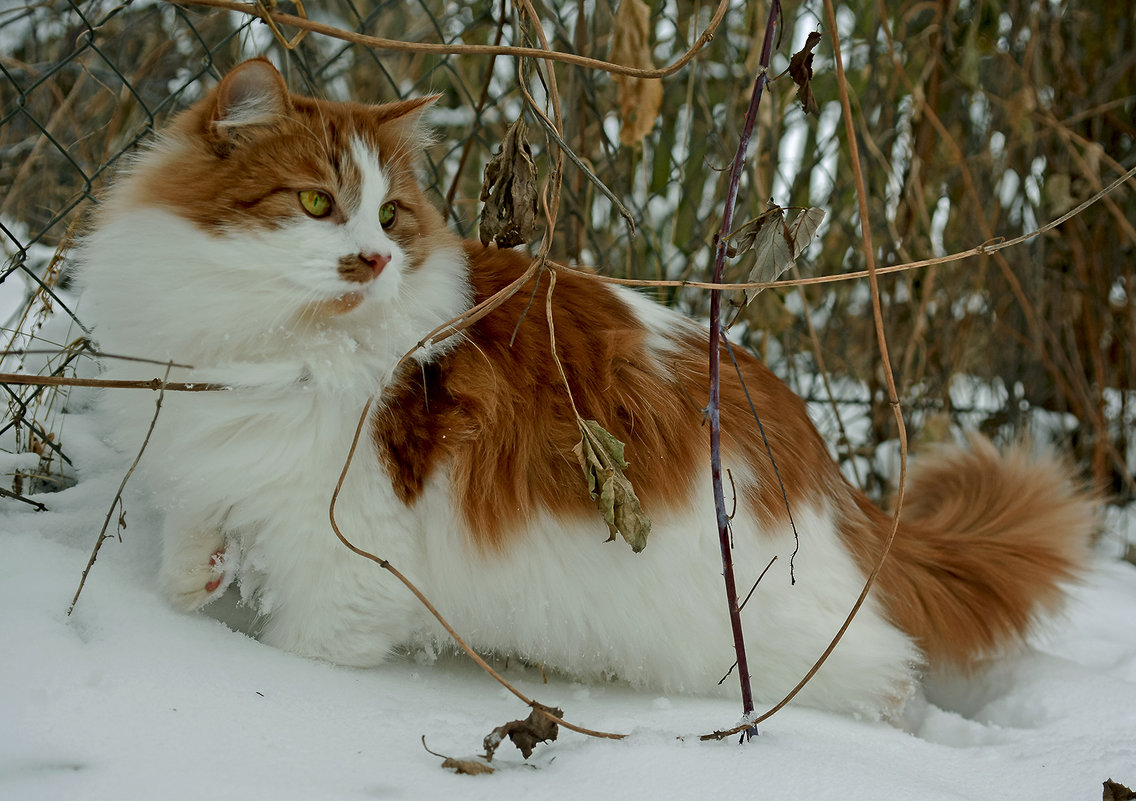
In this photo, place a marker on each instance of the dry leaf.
(773, 248)
(804, 228)
(1114, 791)
(473, 766)
(525, 734)
(601, 458)
(776, 244)
(639, 98)
(745, 237)
(509, 192)
(468, 767)
(801, 71)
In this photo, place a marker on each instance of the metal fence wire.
(976, 120)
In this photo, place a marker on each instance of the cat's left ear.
(406, 116)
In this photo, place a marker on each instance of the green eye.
(386, 214)
(315, 202)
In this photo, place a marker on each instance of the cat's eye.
(315, 202)
(387, 214)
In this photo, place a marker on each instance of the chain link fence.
(977, 121)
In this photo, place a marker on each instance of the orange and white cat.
(281, 245)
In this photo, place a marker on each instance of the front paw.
(195, 575)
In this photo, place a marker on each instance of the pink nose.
(377, 261)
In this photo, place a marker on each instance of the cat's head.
(323, 193)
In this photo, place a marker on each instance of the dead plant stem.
(116, 502)
(714, 350)
(155, 384)
(893, 400)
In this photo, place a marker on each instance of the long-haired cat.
(280, 245)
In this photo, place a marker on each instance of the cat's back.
(499, 412)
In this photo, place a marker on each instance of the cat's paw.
(194, 576)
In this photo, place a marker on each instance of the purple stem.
(713, 408)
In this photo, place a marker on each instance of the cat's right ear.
(252, 95)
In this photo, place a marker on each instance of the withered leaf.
(804, 228)
(509, 192)
(468, 767)
(601, 458)
(745, 237)
(776, 244)
(801, 71)
(1115, 791)
(527, 733)
(639, 98)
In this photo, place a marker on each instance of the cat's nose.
(376, 261)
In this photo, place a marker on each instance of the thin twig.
(552, 346)
(741, 606)
(605, 190)
(39, 507)
(85, 347)
(547, 54)
(551, 198)
(772, 462)
(467, 148)
(156, 384)
(753, 589)
(986, 248)
(117, 500)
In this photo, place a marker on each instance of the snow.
(128, 699)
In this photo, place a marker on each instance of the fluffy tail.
(985, 541)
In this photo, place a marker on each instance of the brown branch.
(714, 348)
(893, 400)
(551, 198)
(273, 17)
(117, 500)
(156, 384)
(467, 148)
(39, 507)
(83, 345)
(988, 247)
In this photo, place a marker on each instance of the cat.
(281, 245)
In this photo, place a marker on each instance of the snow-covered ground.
(127, 699)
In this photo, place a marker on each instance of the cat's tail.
(984, 544)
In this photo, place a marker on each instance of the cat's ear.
(405, 116)
(250, 96)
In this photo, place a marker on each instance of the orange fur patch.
(984, 540)
(496, 409)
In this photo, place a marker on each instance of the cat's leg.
(196, 564)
